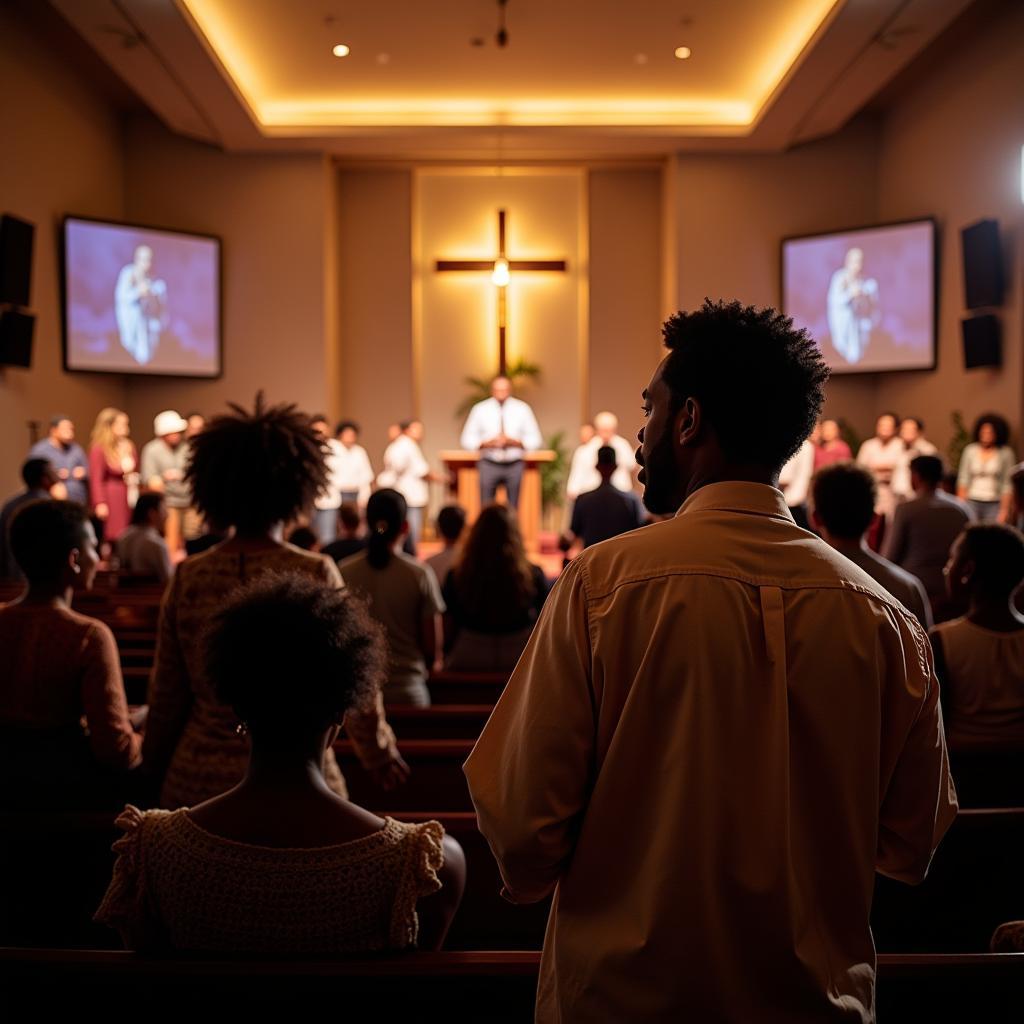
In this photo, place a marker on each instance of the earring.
(965, 580)
(241, 729)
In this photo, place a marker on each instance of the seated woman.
(979, 658)
(403, 596)
(494, 595)
(252, 473)
(59, 667)
(281, 863)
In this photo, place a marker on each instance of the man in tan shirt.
(720, 728)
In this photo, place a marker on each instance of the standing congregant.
(501, 428)
(583, 472)
(67, 457)
(162, 466)
(407, 471)
(883, 455)
(700, 766)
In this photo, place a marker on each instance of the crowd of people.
(711, 691)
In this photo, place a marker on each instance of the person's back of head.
(493, 576)
(51, 540)
(148, 509)
(350, 519)
(304, 537)
(38, 474)
(926, 473)
(386, 513)
(451, 521)
(734, 399)
(843, 497)
(607, 462)
(291, 655)
(987, 562)
(254, 470)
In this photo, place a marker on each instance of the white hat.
(168, 422)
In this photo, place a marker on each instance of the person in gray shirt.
(844, 497)
(162, 467)
(924, 528)
(142, 548)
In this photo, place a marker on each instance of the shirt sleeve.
(170, 691)
(148, 467)
(473, 433)
(1008, 460)
(531, 771)
(430, 592)
(917, 798)
(531, 437)
(111, 737)
(97, 467)
(965, 472)
(574, 485)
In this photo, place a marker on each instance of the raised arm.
(531, 770)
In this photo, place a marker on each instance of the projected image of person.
(141, 306)
(852, 307)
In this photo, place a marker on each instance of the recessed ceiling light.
(341, 50)
(383, 58)
(640, 58)
(682, 52)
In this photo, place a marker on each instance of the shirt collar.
(738, 496)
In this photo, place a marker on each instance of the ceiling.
(577, 78)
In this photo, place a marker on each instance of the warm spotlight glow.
(682, 52)
(341, 50)
(500, 273)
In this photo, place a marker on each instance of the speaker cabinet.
(16, 238)
(16, 331)
(982, 341)
(983, 265)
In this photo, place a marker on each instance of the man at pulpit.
(501, 428)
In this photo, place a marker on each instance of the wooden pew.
(466, 687)
(975, 882)
(441, 721)
(436, 782)
(453, 986)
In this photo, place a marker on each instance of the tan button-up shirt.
(719, 731)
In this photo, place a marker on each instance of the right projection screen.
(866, 296)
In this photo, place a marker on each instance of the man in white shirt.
(355, 474)
(694, 758)
(501, 428)
(883, 455)
(583, 473)
(408, 472)
(914, 444)
(326, 504)
(795, 483)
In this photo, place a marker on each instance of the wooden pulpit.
(462, 467)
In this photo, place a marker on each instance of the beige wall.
(731, 212)
(626, 269)
(62, 154)
(374, 283)
(273, 214)
(952, 148)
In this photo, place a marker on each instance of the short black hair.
(759, 380)
(252, 470)
(894, 416)
(33, 472)
(998, 424)
(304, 537)
(346, 425)
(57, 419)
(606, 456)
(451, 521)
(844, 496)
(929, 468)
(404, 425)
(291, 655)
(349, 515)
(319, 417)
(914, 419)
(43, 533)
(147, 503)
(997, 551)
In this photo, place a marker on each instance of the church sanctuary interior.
(327, 330)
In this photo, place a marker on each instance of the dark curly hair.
(997, 551)
(997, 423)
(843, 496)
(291, 655)
(759, 380)
(252, 470)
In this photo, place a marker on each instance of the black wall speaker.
(16, 330)
(982, 341)
(16, 238)
(983, 264)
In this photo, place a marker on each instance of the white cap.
(168, 422)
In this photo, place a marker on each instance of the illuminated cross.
(499, 269)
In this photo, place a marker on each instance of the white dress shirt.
(795, 476)
(583, 474)
(348, 469)
(405, 469)
(513, 417)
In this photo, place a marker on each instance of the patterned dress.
(189, 730)
(177, 886)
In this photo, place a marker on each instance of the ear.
(405, 529)
(74, 561)
(967, 571)
(688, 422)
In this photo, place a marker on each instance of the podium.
(462, 467)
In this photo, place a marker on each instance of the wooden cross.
(499, 269)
